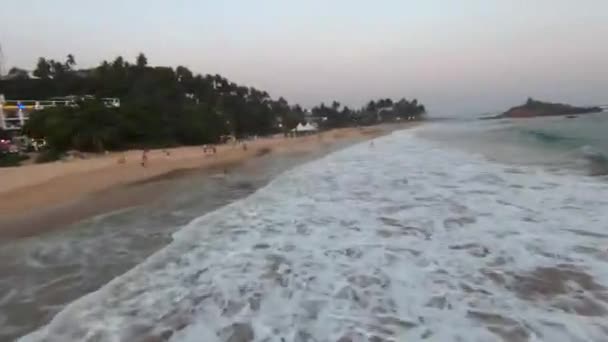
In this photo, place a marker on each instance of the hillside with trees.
(533, 108)
(164, 106)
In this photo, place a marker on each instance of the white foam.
(365, 242)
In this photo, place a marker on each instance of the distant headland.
(534, 108)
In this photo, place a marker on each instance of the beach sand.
(41, 197)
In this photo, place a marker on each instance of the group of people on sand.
(144, 157)
(144, 154)
(207, 149)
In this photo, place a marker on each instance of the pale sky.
(456, 56)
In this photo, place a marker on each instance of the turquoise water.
(568, 133)
(561, 144)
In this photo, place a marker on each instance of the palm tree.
(371, 106)
(57, 68)
(141, 61)
(70, 62)
(43, 68)
(335, 105)
(119, 63)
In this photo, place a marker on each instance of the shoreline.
(128, 223)
(45, 197)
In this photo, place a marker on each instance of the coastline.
(129, 222)
(44, 197)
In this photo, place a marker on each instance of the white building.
(15, 113)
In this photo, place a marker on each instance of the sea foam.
(405, 240)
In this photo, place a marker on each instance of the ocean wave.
(597, 161)
(547, 137)
(400, 241)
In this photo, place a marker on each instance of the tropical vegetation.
(163, 106)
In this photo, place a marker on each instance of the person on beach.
(210, 148)
(144, 158)
(122, 159)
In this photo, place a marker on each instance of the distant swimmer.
(244, 147)
(371, 144)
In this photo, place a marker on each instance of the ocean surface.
(455, 231)
(41, 274)
(560, 144)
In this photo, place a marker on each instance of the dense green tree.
(141, 61)
(58, 69)
(89, 127)
(43, 69)
(335, 105)
(119, 64)
(199, 124)
(163, 106)
(70, 62)
(17, 74)
(4, 134)
(371, 106)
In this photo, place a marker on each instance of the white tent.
(305, 128)
(311, 127)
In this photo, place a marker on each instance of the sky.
(456, 56)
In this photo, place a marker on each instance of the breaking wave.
(396, 242)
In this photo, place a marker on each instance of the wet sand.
(47, 196)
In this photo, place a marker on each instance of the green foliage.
(162, 106)
(142, 61)
(17, 73)
(43, 69)
(89, 127)
(11, 159)
(383, 110)
(199, 124)
(4, 134)
(48, 156)
(70, 62)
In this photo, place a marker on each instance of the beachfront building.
(15, 113)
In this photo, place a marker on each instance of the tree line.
(164, 106)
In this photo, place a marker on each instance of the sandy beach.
(41, 197)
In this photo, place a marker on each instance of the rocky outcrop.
(533, 108)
